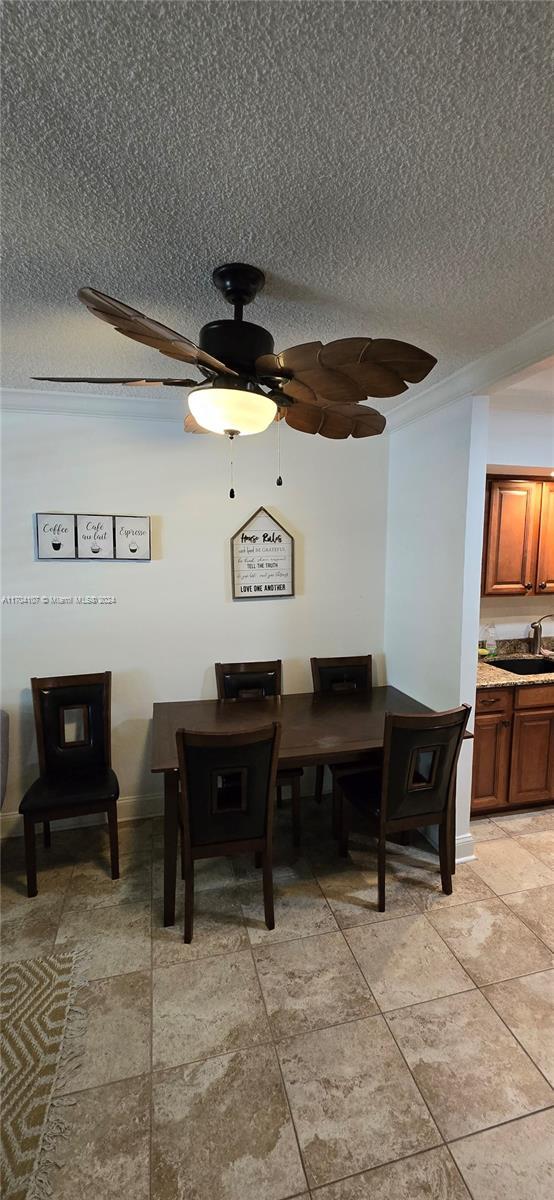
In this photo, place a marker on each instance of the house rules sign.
(262, 559)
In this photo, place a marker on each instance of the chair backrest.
(420, 755)
(227, 784)
(73, 722)
(248, 681)
(339, 675)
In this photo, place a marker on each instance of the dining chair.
(227, 788)
(337, 677)
(415, 788)
(73, 730)
(251, 681)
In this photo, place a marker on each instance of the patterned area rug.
(41, 1035)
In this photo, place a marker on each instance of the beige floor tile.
(29, 932)
(484, 830)
(513, 1162)
(527, 1007)
(116, 939)
(91, 844)
(419, 877)
(310, 983)
(218, 928)
(490, 941)
(93, 887)
(405, 961)
(209, 874)
(352, 896)
(106, 1155)
(52, 890)
(540, 844)
(300, 910)
(428, 1176)
(353, 1100)
(222, 1129)
(526, 822)
(117, 1033)
(505, 866)
(536, 908)
(206, 1008)
(467, 1065)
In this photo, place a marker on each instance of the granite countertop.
(489, 676)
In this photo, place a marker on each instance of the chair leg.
(114, 840)
(46, 834)
(182, 841)
(318, 794)
(344, 814)
(445, 851)
(189, 903)
(279, 797)
(30, 855)
(295, 792)
(337, 803)
(381, 869)
(268, 890)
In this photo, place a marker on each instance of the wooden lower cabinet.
(513, 750)
(491, 762)
(532, 764)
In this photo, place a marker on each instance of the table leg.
(171, 794)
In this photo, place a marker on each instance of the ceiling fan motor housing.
(237, 343)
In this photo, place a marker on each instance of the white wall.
(521, 429)
(435, 513)
(521, 436)
(174, 617)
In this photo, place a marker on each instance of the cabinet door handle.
(543, 585)
(528, 587)
(506, 724)
(489, 700)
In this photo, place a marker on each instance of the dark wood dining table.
(314, 729)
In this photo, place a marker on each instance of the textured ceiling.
(385, 163)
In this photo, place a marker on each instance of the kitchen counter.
(489, 676)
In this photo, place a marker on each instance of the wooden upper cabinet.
(511, 537)
(545, 561)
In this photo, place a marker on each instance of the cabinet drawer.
(493, 700)
(535, 696)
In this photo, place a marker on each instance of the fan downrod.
(239, 284)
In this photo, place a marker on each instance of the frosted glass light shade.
(225, 410)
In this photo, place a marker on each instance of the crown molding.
(95, 404)
(477, 377)
(474, 379)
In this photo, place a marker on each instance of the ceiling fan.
(316, 388)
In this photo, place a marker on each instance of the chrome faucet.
(536, 626)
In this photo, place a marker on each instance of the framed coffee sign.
(132, 537)
(55, 533)
(92, 536)
(262, 559)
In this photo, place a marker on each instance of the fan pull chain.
(231, 468)
(279, 480)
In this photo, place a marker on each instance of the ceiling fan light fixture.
(231, 409)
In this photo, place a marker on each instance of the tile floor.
(346, 1055)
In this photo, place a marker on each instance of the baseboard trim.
(465, 848)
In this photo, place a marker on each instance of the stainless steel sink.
(524, 666)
